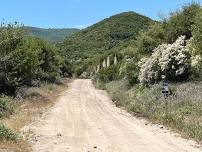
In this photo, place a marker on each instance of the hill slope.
(52, 35)
(110, 34)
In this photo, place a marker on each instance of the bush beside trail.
(24, 59)
(171, 49)
(181, 111)
(7, 134)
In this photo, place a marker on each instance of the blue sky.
(79, 13)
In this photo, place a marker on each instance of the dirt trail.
(85, 120)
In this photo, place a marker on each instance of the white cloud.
(82, 26)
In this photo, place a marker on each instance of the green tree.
(109, 74)
(10, 37)
(167, 31)
(130, 70)
(23, 62)
(197, 33)
(150, 39)
(51, 61)
(180, 22)
(196, 46)
(24, 59)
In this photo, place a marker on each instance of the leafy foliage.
(108, 74)
(111, 34)
(6, 108)
(171, 60)
(178, 23)
(161, 50)
(130, 70)
(24, 59)
(150, 39)
(197, 32)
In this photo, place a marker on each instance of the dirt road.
(85, 120)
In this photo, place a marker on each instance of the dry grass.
(183, 112)
(10, 146)
(27, 110)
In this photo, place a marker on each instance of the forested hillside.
(111, 34)
(51, 34)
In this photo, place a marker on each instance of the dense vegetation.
(26, 60)
(181, 111)
(171, 47)
(51, 34)
(110, 35)
(167, 50)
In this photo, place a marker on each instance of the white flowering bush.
(171, 60)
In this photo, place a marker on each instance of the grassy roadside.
(183, 112)
(17, 113)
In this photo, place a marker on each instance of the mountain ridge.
(50, 34)
(109, 34)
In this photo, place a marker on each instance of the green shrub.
(108, 74)
(7, 134)
(196, 47)
(25, 59)
(51, 62)
(167, 31)
(23, 62)
(50, 87)
(180, 22)
(181, 111)
(150, 39)
(117, 91)
(10, 37)
(99, 84)
(6, 107)
(197, 32)
(129, 69)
